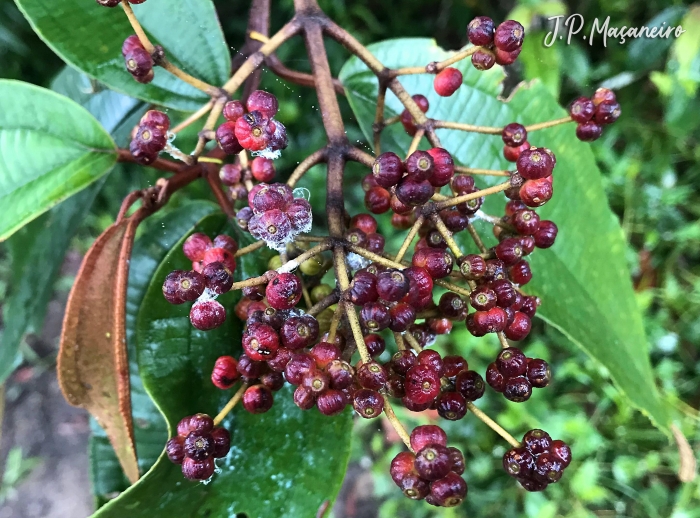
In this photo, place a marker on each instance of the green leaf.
(158, 237)
(51, 148)
(583, 280)
(37, 250)
(284, 463)
(540, 62)
(89, 37)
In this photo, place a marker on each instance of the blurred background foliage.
(623, 466)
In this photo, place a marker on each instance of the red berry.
(518, 462)
(262, 169)
(537, 441)
(607, 112)
(375, 344)
(422, 384)
(402, 466)
(513, 153)
(432, 462)
(603, 94)
(535, 163)
(517, 389)
(470, 384)
(387, 169)
(419, 166)
(198, 470)
(222, 442)
(424, 435)
(226, 137)
(364, 222)
(324, 353)
(589, 131)
(561, 451)
(252, 131)
(514, 134)
(206, 315)
(368, 403)
(443, 167)
(505, 58)
(451, 406)
(175, 450)
(535, 193)
(546, 234)
(509, 36)
(480, 31)
(331, 402)
(538, 373)
(407, 121)
(225, 372)
(284, 291)
(233, 110)
(377, 200)
(299, 332)
(447, 81)
(413, 192)
(264, 102)
(260, 342)
(511, 362)
(449, 491)
(520, 273)
(582, 110)
(221, 255)
(257, 399)
(483, 59)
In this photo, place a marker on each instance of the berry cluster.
(314, 350)
(235, 177)
(149, 137)
(497, 44)
(594, 113)
(252, 126)
(197, 443)
(433, 472)
(139, 63)
(213, 264)
(514, 374)
(274, 215)
(540, 461)
(403, 185)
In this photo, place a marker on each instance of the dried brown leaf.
(93, 369)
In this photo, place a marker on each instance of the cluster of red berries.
(540, 461)
(197, 443)
(275, 215)
(262, 169)
(594, 113)
(139, 63)
(149, 137)
(514, 375)
(252, 126)
(497, 45)
(403, 185)
(433, 472)
(213, 264)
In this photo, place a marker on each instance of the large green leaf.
(89, 37)
(37, 250)
(50, 148)
(150, 430)
(583, 280)
(284, 463)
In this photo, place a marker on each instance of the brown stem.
(231, 403)
(313, 159)
(221, 198)
(293, 76)
(493, 425)
(378, 125)
(472, 196)
(250, 248)
(324, 303)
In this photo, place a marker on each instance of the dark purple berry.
(451, 406)
(368, 403)
(480, 31)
